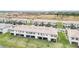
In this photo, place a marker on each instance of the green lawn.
(63, 39)
(8, 40)
(59, 25)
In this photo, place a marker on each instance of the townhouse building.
(53, 23)
(73, 36)
(69, 24)
(16, 20)
(4, 27)
(41, 22)
(46, 33)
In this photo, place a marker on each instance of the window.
(41, 33)
(30, 32)
(26, 32)
(72, 38)
(55, 35)
(0, 29)
(16, 30)
(11, 30)
(38, 33)
(46, 35)
(76, 38)
(22, 31)
(51, 35)
(33, 33)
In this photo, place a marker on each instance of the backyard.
(9, 41)
(62, 38)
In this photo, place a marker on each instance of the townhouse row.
(45, 33)
(40, 22)
(73, 36)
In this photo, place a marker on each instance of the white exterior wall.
(5, 30)
(36, 35)
(53, 22)
(74, 40)
(5, 27)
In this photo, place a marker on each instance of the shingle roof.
(37, 29)
(3, 25)
(73, 33)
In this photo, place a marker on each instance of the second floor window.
(76, 38)
(72, 38)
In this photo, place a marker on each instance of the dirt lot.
(55, 17)
(49, 17)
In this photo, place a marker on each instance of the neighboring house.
(42, 22)
(17, 20)
(46, 33)
(73, 36)
(4, 27)
(69, 24)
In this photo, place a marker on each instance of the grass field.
(55, 17)
(60, 25)
(10, 41)
(63, 39)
